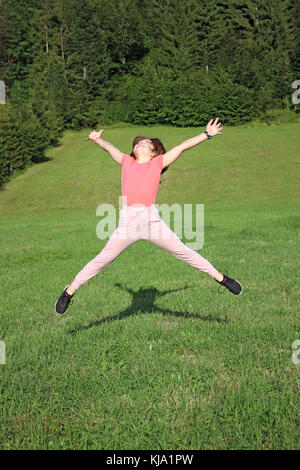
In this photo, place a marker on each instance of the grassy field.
(150, 355)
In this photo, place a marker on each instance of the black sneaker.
(233, 286)
(63, 302)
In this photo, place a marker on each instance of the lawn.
(150, 355)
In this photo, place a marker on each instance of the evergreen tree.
(25, 138)
(87, 60)
(22, 138)
(46, 23)
(122, 23)
(212, 28)
(48, 95)
(261, 38)
(295, 51)
(80, 62)
(17, 39)
(174, 44)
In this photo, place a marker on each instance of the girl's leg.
(113, 248)
(163, 236)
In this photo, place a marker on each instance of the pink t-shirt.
(140, 180)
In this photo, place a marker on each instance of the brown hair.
(158, 147)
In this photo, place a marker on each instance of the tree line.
(69, 64)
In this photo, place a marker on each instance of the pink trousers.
(141, 223)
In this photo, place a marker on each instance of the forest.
(70, 64)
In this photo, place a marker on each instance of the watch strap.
(208, 135)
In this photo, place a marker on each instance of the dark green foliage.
(4, 161)
(152, 96)
(17, 38)
(22, 138)
(49, 94)
(89, 63)
(295, 50)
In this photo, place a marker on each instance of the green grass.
(150, 355)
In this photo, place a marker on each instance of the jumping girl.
(140, 179)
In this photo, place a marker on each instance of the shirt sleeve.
(160, 162)
(126, 158)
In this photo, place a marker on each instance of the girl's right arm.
(172, 155)
(107, 146)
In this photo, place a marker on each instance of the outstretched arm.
(107, 146)
(172, 155)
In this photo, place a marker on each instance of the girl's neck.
(142, 160)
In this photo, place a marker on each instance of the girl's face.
(145, 145)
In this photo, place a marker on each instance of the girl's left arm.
(115, 153)
(172, 155)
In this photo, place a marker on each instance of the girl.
(140, 179)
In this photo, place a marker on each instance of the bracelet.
(97, 139)
(209, 136)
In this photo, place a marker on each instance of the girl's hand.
(94, 134)
(213, 127)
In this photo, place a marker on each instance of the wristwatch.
(209, 136)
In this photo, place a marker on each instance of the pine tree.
(46, 23)
(295, 51)
(17, 39)
(25, 138)
(261, 37)
(173, 43)
(147, 61)
(122, 23)
(86, 50)
(48, 93)
(212, 28)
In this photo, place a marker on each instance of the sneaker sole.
(57, 313)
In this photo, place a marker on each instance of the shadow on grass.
(42, 159)
(143, 302)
